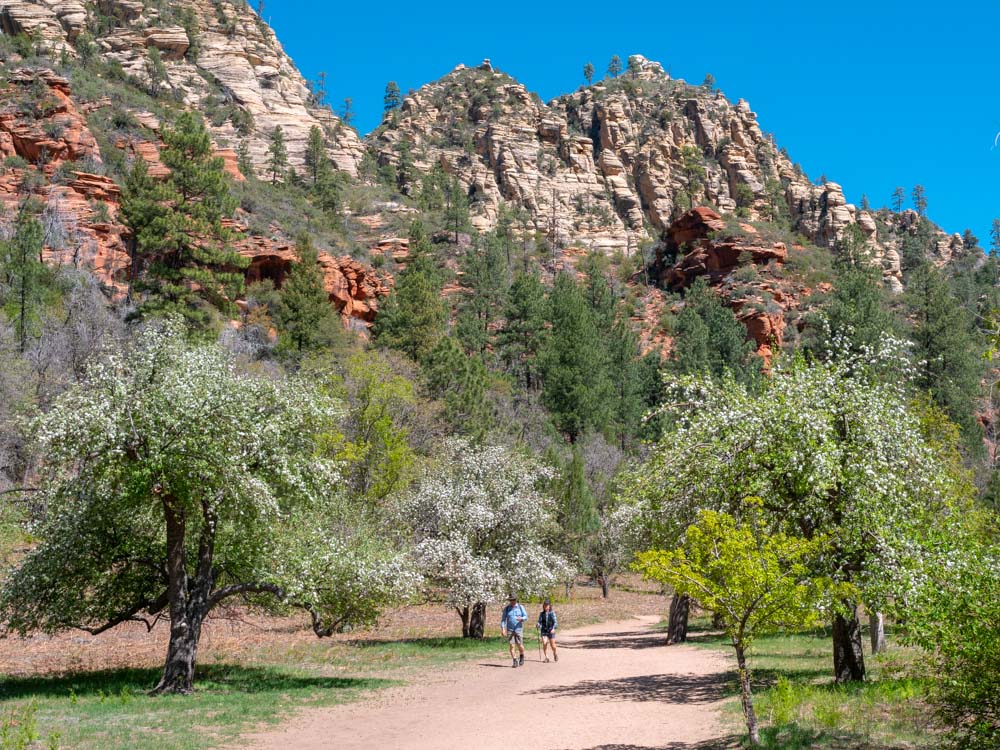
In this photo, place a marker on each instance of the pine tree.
(576, 511)
(182, 257)
(304, 313)
(575, 385)
(614, 66)
(588, 73)
(405, 168)
(709, 82)
(865, 203)
(969, 240)
(27, 281)
(413, 317)
(392, 99)
(920, 199)
(947, 355)
(708, 339)
(898, 198)
(633, 66)
(244, 161)
(628, 398)
(456, 209)
(315, 157)
(347, 111)
(461, 381)
(995, 238)
(694, 171)
(523, 334)
(484, 280)
(277, 161)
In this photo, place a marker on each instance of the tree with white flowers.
(480, 521)
(173, 482)
(831, 448)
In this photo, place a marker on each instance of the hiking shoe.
(555, 656)
(514, 664)
(520, 660)
(546, 660)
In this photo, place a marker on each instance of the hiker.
(512, 626)
(547, 624)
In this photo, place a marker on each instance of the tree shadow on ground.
(665, 688)
(440, 643)
(617, 640)
(211, 678)
(730, 742)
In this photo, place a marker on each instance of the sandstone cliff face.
(218, 56)
(614, 164)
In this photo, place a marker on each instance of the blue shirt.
(509, 617)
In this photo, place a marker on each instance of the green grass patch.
(800, 706)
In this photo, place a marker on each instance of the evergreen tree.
(576, 512)
(27, 281)
(277, 161)
(633, 66)
(413, 317)
(182, 257)
(523, 334)
(244, 161)
(969, 240)
(315, 156)
(484, 280)
(461, 382)
(588, 73)
(947, 355)
(575, 385)
(865, 203)
(392, 99)
(304, 314)
(405, 168)
(898, 198)
(624, 373)
(709, 340)
(694, 171)
(920, 199)
(456, 209)
(614, 66)
(995, 238)
(709, 82)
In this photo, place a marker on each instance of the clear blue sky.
(873, 94)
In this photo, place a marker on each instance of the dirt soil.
(616, 687)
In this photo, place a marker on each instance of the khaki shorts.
(515, 637)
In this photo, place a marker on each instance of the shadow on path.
(721, 743)
(666, 688)
(616, 640)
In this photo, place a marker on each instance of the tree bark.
(680, 608)
(745, 696)
(848, 653)
(876, 624)
(603, 579)
(464, 613)
(178, 671)
(477, 621)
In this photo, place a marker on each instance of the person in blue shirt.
(547, 624)
(512, 626)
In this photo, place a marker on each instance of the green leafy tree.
(615, 66)
(832, 449)
(182, 262)
(576, 512)
(575, 384)
(392, 99)
(174, 483)
(460, 380)
(277, 155)
(156, 72)
(523, 334)
(304, 314)
(754, 579)
(588, 73)
(692, 164)
(413, 318)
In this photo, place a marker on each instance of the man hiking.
(547, 624)
(512, 626)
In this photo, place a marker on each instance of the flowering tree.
(171, 483)
(480, 523)
(830, 448)
(753, 579)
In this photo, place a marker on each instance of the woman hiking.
(547, 624)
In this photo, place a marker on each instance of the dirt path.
(616, 687)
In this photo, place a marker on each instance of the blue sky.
(871, 94)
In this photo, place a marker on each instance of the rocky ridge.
(218, 57)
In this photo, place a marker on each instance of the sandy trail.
(616, 687)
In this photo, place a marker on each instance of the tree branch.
(154, 607)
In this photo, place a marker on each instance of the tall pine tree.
(523, 334)
(304, 314)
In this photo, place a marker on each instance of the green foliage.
(392, 99)
(484, 285)
(614, 66)
(315, 157)
(523, 334)
(461, 381)
(412, 319)
(709, 340)
(588, 73)
(28, 284)
(692, 164)
(184, 263)
(304, 314)
(277, 155)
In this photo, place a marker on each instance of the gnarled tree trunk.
(604, 580)
(680, 608)
(477, 621)
(848, 652)
(746, 697)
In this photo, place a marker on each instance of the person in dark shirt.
(547, 624)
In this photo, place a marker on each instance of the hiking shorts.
(515, 637)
